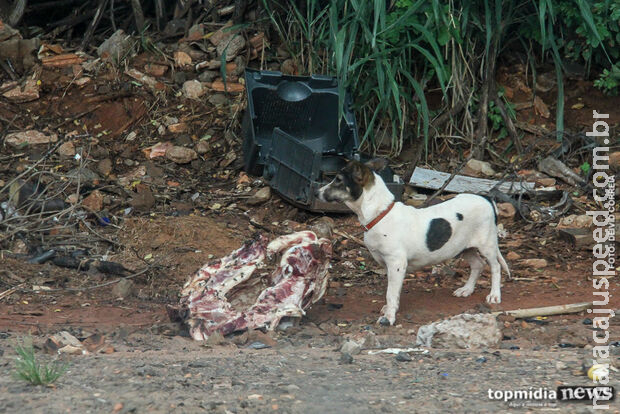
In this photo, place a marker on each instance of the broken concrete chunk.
(481, 167)
(506, 210)
(260, 196)
(83, 174)
(94, 201)
(123, 289)
(156, 70)
(181, 155)
(534, 263)
(67, 149)
(104, 167)
(202, 147)
(115, 47)
(182, 59)
(467, 331)
(30, 137)
(558, 169)
(20, 94)
(20, 52)
(574, 220)
(232, 46)
(193, 89)
(351, 348)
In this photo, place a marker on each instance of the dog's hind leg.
(491, 254)
(396, 268)
(476, 263)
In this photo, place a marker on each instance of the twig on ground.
(349, 236)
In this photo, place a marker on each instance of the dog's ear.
(357, 172)
(377, 164)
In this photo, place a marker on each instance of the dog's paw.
(463, 292)
(494, 298)
(386, 320)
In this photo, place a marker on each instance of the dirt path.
(300, 374)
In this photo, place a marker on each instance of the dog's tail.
(503, 264)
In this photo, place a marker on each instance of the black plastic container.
(292, 136)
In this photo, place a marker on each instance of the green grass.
(29, 369)
(391, 55)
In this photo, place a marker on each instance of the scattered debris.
(548, 310)
(65, 343)
(29, 137)
(180, 155)
(17, 93)
(116, 47)
(351, 348)
(466, 331)
(434, 180)
(558, 169)
(534, 263)
(477, 166)
(261, 196)
(193, 89)
(123, 289)
(397, 351)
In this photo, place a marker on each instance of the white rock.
(351, 348)
(30, 137)
(481, 166)
(193, 89)
(462, 331)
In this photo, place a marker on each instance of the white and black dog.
(399, 236)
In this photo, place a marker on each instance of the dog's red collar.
(377, 219)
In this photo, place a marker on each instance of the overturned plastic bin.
(292, 136)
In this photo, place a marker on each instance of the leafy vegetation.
(27, 367)
(394, 55)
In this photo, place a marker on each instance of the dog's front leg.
(396, 268)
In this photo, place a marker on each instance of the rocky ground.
(301, 373)
(142, 162)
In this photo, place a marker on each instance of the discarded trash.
(258, 345)
(294, 138)
(65, 343)
(299, 280)
(434, 180)
(463, 331)
(558, 169)
(397, 351)
(598, 372)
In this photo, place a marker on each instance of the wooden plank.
(548, 310)
(425, 178)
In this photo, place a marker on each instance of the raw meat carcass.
(299, 280)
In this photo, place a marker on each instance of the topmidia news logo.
(546, 397)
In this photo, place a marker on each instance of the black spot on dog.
(459, 216)
(492, 206)
(385, 235)
(439, 232)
